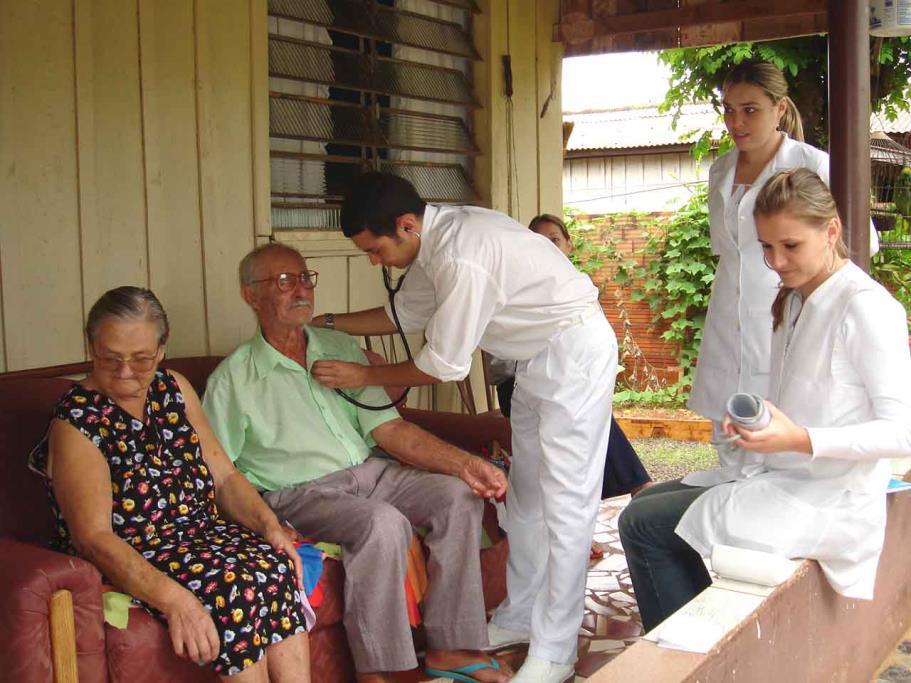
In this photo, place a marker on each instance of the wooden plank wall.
(127, 144)
(633, 182)
(134, 150)
(40, 232)
(508, 27)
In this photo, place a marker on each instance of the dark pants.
(623, 471)
(666, 572)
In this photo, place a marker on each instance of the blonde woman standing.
(768, 137)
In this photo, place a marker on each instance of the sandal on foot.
(461, 673)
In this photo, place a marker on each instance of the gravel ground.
(667, 459)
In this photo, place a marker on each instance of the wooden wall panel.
(226, 162)
(2, 340)
(367, 289)
(523, 48)
(644, 182)
(109, 128)
(172, 170)
(490, 36)
(578, 174)
(331, 294)
(549, 67)
(259, 86)
(39, 230)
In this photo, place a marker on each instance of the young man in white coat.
(477, 278)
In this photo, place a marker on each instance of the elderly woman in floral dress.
(142, 489)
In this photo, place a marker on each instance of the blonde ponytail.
(778, 306)
(790, 122)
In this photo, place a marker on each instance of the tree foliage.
(697, 75)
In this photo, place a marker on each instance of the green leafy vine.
(672, 273)
(675, 280)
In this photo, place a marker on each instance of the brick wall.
(632, 320)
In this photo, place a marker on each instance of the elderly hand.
(339, 374)
(190, 626)
(485, 480)
(781, 435)
(281, 538)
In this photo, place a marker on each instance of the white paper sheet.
(704, 620)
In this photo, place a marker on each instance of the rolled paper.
(752, 566)
(748, 411)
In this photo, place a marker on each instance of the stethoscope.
(392, 289)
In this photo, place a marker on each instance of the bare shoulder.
(69, 447)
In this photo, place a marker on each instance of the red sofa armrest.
(470, 432)
(32, 574)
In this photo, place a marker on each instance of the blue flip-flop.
(461, 673)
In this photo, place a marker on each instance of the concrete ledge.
(804, 631)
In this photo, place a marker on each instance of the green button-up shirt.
(279, 425)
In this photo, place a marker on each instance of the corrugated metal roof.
(640, 127)
(902, 124)
(646, 127)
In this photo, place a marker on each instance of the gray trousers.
(369, 510)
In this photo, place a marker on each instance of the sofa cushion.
(195, 368)
(332, 582)
(143, 653)
(26, 405)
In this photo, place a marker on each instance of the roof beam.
(578, 27)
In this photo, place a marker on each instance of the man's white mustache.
(297, 303)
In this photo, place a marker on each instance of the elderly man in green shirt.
(321, 464)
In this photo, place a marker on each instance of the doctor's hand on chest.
(340, 374)
(781, 434)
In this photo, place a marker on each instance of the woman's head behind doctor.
(800, 232)
(553, 229)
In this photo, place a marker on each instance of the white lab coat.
(734, 355)
(483, 280)
(845, 374)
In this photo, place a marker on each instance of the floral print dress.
(164, 507)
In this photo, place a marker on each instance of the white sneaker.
(537, 670)
(499, 637)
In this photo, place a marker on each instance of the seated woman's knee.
(632, 518)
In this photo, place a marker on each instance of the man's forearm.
(418, 448)
(372, 321)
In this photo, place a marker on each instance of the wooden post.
(63, 638)
(849, 121)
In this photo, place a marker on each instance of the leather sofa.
(32, 573)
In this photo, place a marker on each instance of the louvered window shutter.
(363, 84)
